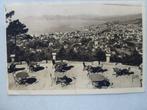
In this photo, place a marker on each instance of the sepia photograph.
(75, 48)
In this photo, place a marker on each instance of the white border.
(75, 92)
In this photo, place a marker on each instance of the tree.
(9, 16)
(62, 54)
(14, 29)
(101, 56)
(134, 59)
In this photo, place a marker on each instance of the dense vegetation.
(123, 40)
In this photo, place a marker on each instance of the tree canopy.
(15, 27)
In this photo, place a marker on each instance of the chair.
(21, 77)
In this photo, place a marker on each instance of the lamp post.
(12, 56)
(54, 56)
(108, 55)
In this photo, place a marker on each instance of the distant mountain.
(127, 19)
(48, 24)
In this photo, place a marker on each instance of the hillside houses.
(120, 39)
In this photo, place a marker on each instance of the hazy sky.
(72, 9)
(32, 14)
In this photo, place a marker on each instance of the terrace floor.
(45, 77)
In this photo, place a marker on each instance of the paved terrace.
(82, 81)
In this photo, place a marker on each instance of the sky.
(47, 15)
(72, 9)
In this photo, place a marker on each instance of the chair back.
(21, 75)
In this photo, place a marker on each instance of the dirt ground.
(45, 78)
